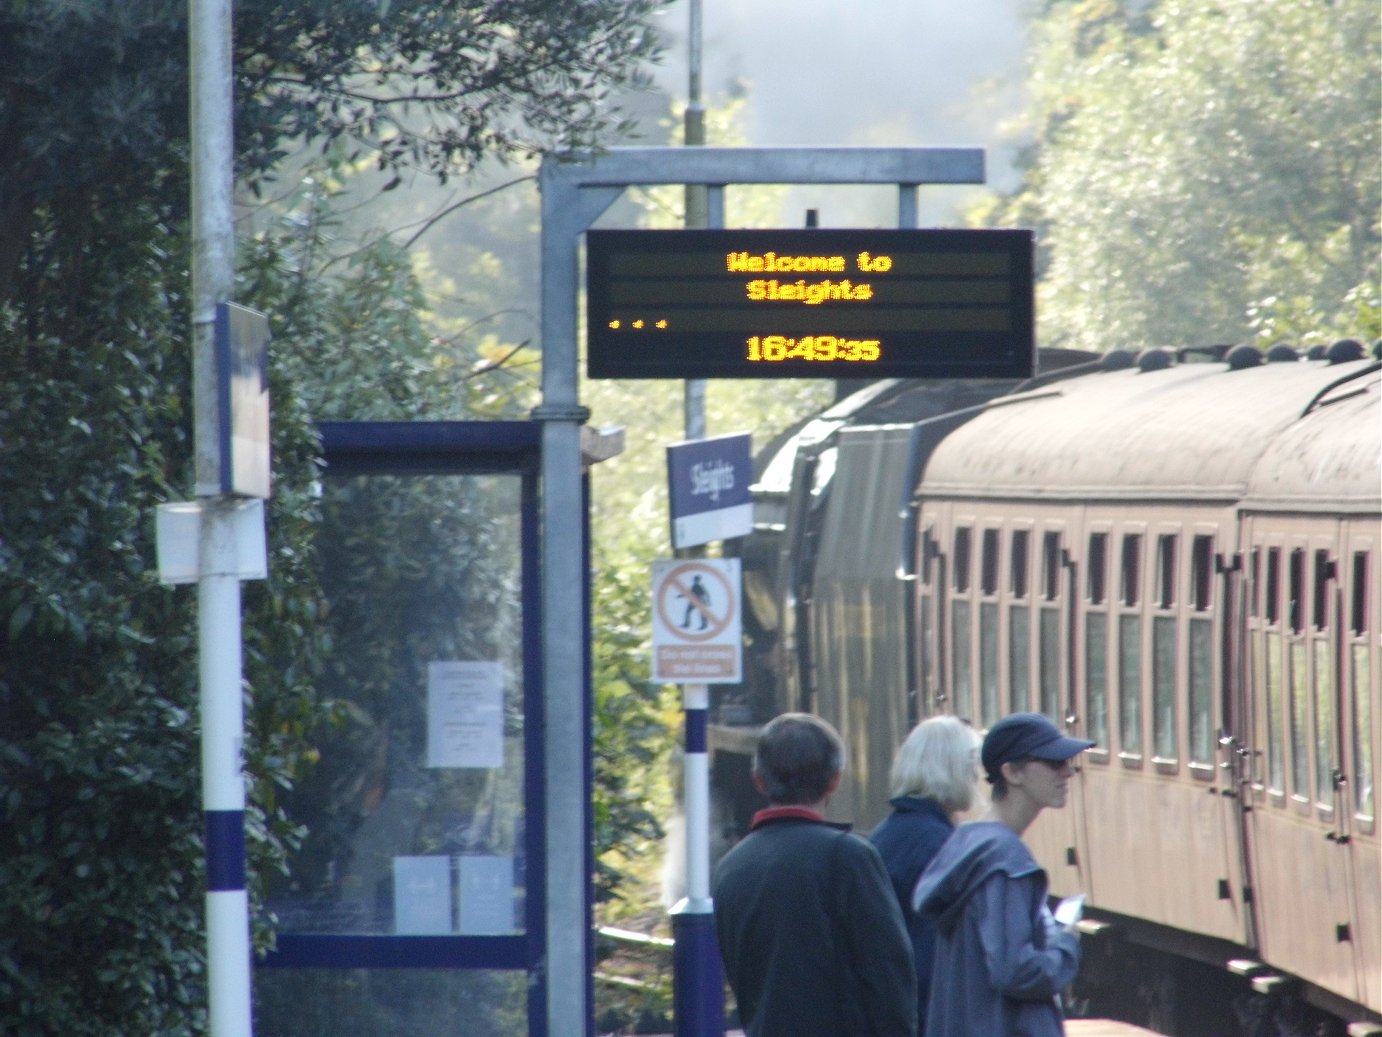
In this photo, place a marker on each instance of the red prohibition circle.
(715, 626)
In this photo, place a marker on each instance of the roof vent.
(1281, 353)
(1344, 350)
(1317, 353)
(1155, 360)
(1240, 357)
(1118, 360)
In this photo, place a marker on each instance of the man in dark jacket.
(811, 934)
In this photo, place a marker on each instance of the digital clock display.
(809, 304)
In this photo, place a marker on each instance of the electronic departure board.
(809, 304)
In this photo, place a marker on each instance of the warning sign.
(697, 635)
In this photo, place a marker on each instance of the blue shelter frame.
(405, 449)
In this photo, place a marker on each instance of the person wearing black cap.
(1001, 958)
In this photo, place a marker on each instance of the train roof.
(1325, 460)
(1188, 430)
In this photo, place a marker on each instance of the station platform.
(1073, 1028)
(1104, 1028)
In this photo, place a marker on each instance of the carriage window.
(1362, 733)
(1098, 568)
(1298, 694)
(1130, 684)
(1296, 589)
(1131, 571)
(1050, 662)
(1363, 697)
(1324, 722)
(1020, 568)
(1201, 572)
(1164, 687)
(1201, 690)
(962, 561)
(988, 579)
(1019, 657)
(1166, 571)
(961, 683)
(1358, 615)
(1254, 569)
(1324, 573)
(1096, 676)
(988, 663)
(1272, 601)
(1050, 566)
(1276, 771)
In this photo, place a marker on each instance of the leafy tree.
(1203, 171)
(100, 827)
(93, 95)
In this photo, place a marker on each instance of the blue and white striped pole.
(698, 998)
(222, 520)
(223, 783)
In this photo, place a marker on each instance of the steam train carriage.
(1175, 559)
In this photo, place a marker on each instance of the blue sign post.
(708, 489)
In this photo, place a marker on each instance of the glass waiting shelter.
(415, 902)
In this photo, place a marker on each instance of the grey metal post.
(218, 613)
(576, 189)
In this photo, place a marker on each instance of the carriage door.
(1294, 824)
(1355, 781)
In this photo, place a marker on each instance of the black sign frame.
(810, 303)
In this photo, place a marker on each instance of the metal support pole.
(223, 785)
(576, 190)
(698, 997)
(698, 985)
(218, 614)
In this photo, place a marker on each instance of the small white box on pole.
(178, 528)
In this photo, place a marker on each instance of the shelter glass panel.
(1130, 684)
(390, 1002)
(415, 818)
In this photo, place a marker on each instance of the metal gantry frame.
(576, 190)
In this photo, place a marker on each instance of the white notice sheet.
(465, 714)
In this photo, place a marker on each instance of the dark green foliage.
(93, 94)
(101, 873)
(632, 735)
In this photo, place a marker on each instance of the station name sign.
(809, 304)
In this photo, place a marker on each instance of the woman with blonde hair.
(934, 780)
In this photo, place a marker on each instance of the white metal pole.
(223, 785)
(218, 616)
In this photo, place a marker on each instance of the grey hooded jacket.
(1001, 959)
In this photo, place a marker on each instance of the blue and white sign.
(242, 389)
(708, 487)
